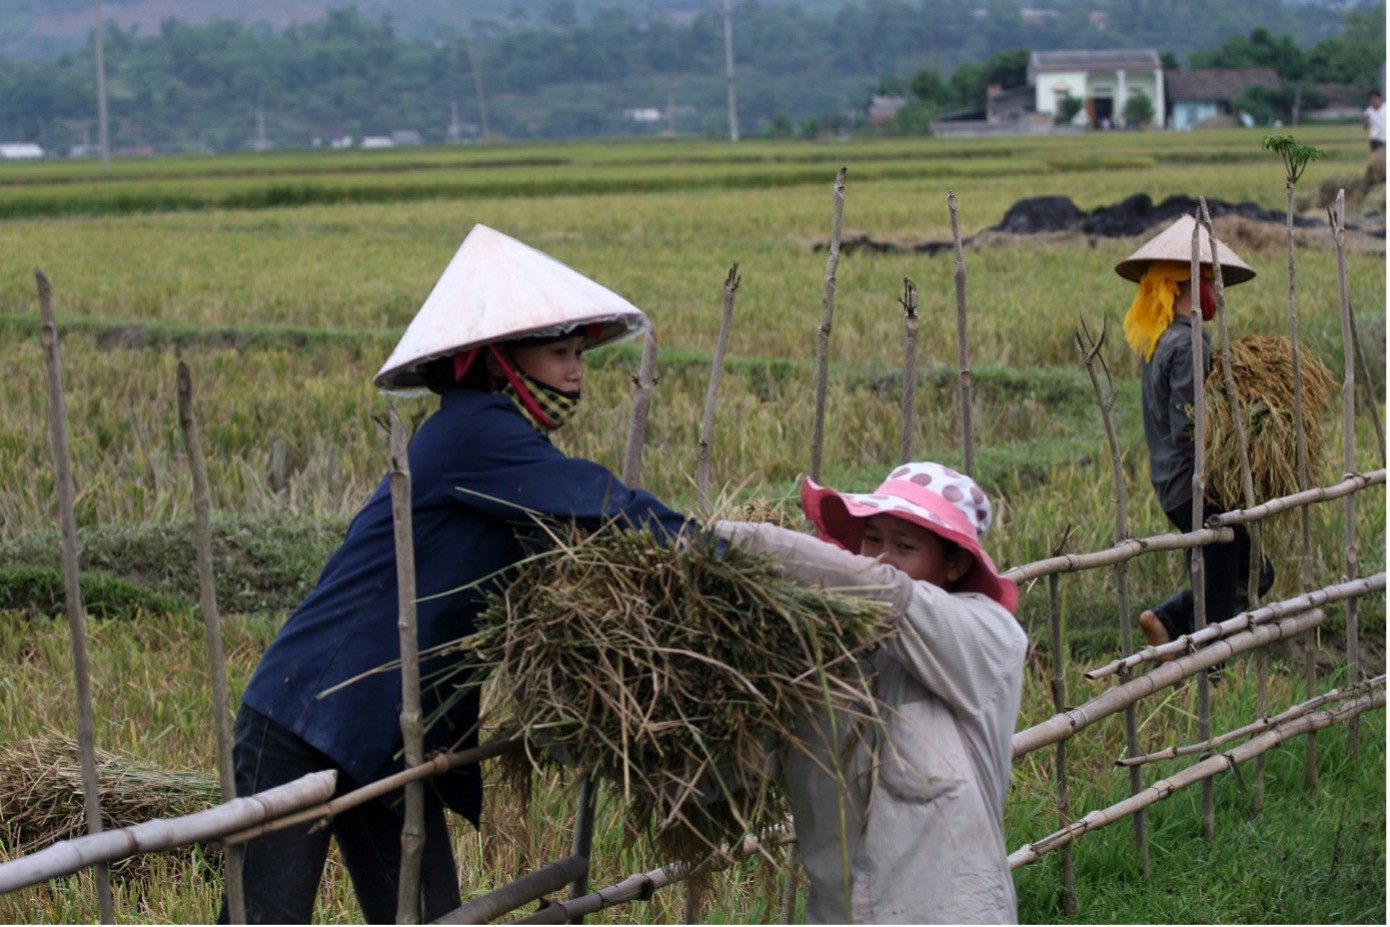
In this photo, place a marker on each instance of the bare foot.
(1154, 630)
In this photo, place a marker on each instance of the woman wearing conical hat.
(1158, 326)
(500, 340)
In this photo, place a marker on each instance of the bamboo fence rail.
(68, 856)
(1347, 591)
(1066, 723)
(640, 886)
(1198, 772)
(1255, 727)
(1351, 483)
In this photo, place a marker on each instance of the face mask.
(545, 407)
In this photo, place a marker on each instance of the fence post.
(1199, 492)
(702, 451)
(1106, 401)
(1337, 222)
(72, 589)
(909, 403)
(827, 300)
(212, 621)
(967, 432)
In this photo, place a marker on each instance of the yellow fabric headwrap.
(1152, 310)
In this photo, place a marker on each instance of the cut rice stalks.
(1262, 367)
(41, 799)
(675, 672)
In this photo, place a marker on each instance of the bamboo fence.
(309, 799)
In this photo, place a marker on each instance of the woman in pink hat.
(901, 820)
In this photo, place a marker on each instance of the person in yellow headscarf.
(1158, 326)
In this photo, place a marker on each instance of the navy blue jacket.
(477, 466)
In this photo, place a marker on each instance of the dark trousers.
(1227, 568)
(281, 871)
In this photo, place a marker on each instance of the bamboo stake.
(787, 914)
(583, 845)
(68, 856)
(1201, 771)
(1352, 482)
(909, 404)
(962, 346)
(1344, 591)
(1127, 549)
(641, 886)
(1199, 494)
(412, 728)
(212, 620)
(72, 589)
(549, 878)
(1065, 724)
(1256, 563)
(1105, 399)
(1339, 232)
(1369, 384)
(1256, 727)
(641, 408)
(702, 452)
(434, 766)
(827, 300)
(1059, 703)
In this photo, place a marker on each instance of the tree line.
(225, 84)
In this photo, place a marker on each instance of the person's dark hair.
(439, 375)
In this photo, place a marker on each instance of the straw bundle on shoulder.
(1262, 367)
(41, 797)
(674, 671)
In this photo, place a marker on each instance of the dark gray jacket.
(1169, 383)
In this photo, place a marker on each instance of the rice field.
(284, 281)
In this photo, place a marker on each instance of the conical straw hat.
(497, 289)
(1175, 244)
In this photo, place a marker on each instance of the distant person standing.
(1374, 120)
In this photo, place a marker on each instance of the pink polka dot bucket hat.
(944, 501)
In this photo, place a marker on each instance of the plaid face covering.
(545, 407)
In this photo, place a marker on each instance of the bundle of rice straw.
(674, 672)
(1262, 367)
(41, 797)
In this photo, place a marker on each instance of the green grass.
(286, 307)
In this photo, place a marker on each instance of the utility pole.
(260, 122)
(671, 112)
(477, 79)
(101, 97)
(729, 69)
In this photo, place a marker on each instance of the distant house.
(377, 141)
(1339, 103)
(406, 138)
(1205, 94)
(883, 108)
(1102, 79)
(18, 151)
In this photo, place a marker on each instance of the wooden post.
(212, 621)
(412, 729)
(583, 846)
(1059, 704)
(909, 405)
(1339, 229)
(72, 589)
(702, 452)
(1257, 791)
(641, 408)
(827, 300)
(967, 431)
(1091, 353)
(1199, 492)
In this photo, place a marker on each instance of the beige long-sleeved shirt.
(900, 820)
